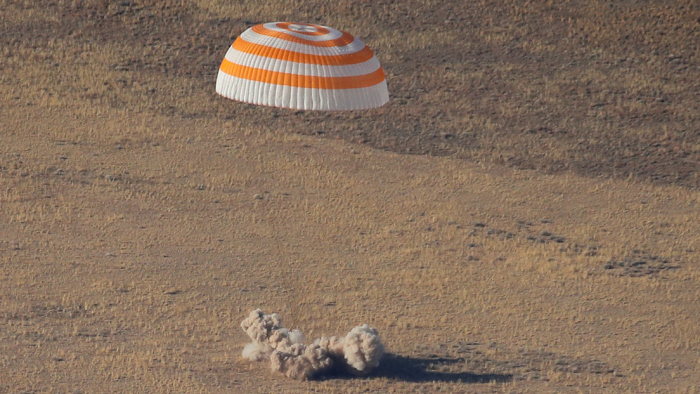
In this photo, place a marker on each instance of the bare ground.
(554, 249)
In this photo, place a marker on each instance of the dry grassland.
(142, 217)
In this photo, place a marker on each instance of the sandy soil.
(547, 242)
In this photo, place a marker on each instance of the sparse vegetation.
(143, 216)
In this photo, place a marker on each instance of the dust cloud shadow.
(416, 369)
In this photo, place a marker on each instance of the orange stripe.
(302, 81)
(343, 40)
(282, 54)
(320, 30)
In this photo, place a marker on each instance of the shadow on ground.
(413, 369)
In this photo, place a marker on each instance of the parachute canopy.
(302, 66)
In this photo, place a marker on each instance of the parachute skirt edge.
(262, 93)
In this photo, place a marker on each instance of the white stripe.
(262, 93)
(316, 70)
(272, 42)
(332, 35)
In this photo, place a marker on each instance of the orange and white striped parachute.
(302, 66)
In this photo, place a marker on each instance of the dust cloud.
(356, 353)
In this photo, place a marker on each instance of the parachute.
(302, 66)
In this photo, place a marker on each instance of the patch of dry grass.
(140, 256)
(593, 88)
(143, 216)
